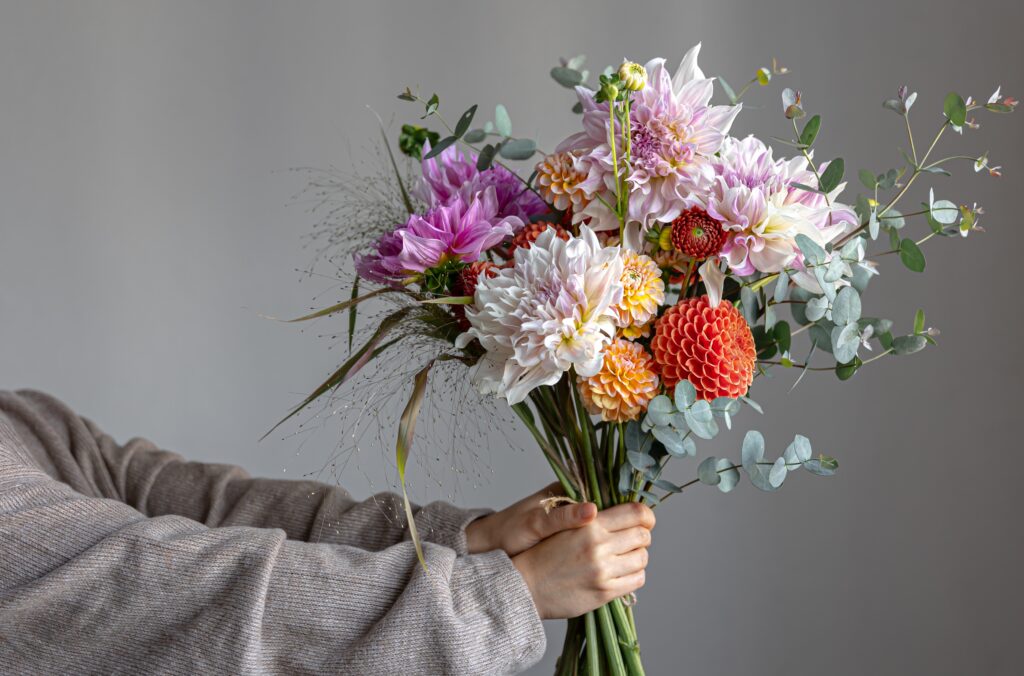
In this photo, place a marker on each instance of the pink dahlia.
(452, 174)
(674, 133)
(460, 230)
(762, 211)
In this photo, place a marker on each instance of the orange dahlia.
(465, 285)
(531, 231)
(696, 234)
(712, 347)
(642, 292)
(558, 181)
(625, 384)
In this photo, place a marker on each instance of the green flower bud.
(609, 92)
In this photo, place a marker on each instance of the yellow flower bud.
(665, 239)
(633, 75)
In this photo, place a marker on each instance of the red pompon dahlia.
(529, 234)
(712, 347)
(465, 285)
(697, 235)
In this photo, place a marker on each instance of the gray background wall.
(145, 223)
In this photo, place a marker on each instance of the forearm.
(117, 586)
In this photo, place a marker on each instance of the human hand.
(519, 527)
(578, 570)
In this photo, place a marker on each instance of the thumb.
(566, 517)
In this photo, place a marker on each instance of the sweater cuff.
(510, 636)
(445, 525)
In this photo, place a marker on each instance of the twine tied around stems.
(556, 501)
(629, 600)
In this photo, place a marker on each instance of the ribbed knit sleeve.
(92, 585)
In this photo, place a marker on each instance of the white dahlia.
(553, 310)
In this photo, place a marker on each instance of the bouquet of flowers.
(625, 292)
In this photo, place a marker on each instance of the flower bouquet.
(624, 292)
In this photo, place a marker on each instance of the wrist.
(480, 535)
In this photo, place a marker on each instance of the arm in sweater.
(159, 483)
(89, 584)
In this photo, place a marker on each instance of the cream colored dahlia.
(624, 386)
(642, 292)
(558, 181)
(550, 312)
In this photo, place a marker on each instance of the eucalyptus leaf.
(911, 255)
(832, 176)
(462, 126)
(811, 250)
(567, 77)
(707, 471)
(908, 344)
(798, 451)
(730, 476)
(518, 149)
(810, 131)
(822, 465)
(502, 121)
(640, 461)
(685, 394)
(474, 136)
(955, 109)
(440, 146)
(847, 306)
(777, 473)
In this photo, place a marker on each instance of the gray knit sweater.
(127, 559)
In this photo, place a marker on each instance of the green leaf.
(919, 321)
(449, 300)
(799, 451)
(908, 344)
(811, 250)
(432, 105)
(707, 472)
(462, 126)
(832, 175)
(847, 306)
(440, 146)
(955, 109)
(846, 371)
(998, 107)
(685, 394)
(567, 77)
(729, 474)
(502, 122)
(406, 431)
(357, 361)
(344, 305)
(764, 76)
(783, 336)
(518, 149)
(869, 180)
(352, 313)
(394, 165)
(822, 465)
(474, 136)
(911, 255)
(640, 461)
(810, 131)
(486, 157)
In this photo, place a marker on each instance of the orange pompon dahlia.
(712, 347)
(559, 179)
(624, 386)
(643, 291)
(531, 231)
